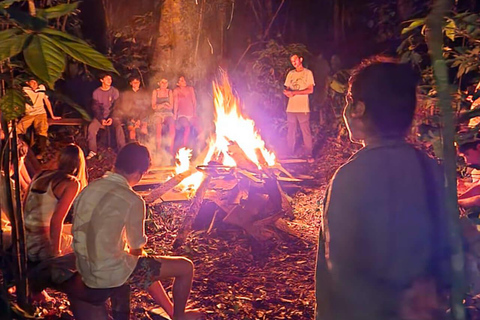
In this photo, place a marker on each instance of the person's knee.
(187, 265)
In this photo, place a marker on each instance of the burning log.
(166, 186)
(192, 213)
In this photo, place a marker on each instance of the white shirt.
(299, 80)
(108, 216)
(37, 96)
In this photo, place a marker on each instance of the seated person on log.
(162, 105)
(134, 107)
(110, 217)
(470, 151)
(103, 107)
(185, 109)
(47, 203)
(383, 245)
(36, 115)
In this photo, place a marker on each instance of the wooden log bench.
(70, 122)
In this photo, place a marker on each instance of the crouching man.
(110, 217)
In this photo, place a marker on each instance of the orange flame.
(231, 126)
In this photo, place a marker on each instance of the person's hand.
(469, 98)
(107, 122)
(56, 118)
(288, 93)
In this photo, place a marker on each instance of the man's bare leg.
(158, 294)
(181, 269)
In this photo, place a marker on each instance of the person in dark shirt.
(104, 98)
(383, 248)
(134, 107)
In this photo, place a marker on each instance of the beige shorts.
(39, 122)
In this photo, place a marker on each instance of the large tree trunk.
(177, 38)
(190, 40)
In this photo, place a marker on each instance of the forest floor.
(235, 276)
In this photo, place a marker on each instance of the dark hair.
(298, 54)
(70, 159)
(133, 158)
(131, 78)
(388, 90)
(464, 147)
(102, 75)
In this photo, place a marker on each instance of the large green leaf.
(7, 3)
(44, 59)
(79, 50)
(12, 104)
(414, 24)
(12, 43)
(57, 11)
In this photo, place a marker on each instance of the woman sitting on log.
(162, 105)
(48, 201)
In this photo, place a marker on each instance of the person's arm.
(194, 100)
(175, 103)
(135, 228)
(154, 100)
(308, 90)
(49, 108)
(96, 107)
(68, 191)
(170, 98)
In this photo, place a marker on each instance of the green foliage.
(133, 45)
(461, 50)
(44, 59)
(12, 104)
(57, 11)
(45, 49)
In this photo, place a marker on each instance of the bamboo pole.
(20, 247)
(435, 22)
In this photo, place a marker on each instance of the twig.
(200, 23)
(273, 19)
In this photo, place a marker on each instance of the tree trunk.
(434, 37)
(176, 42)
(190, 40)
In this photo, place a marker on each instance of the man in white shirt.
(109, 236)
(35, 114)
(298, 85)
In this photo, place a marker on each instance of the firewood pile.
(247, 196)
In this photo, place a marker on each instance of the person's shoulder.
(41, 88)
(71, 182)
(308, 71)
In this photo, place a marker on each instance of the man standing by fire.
(298, 85)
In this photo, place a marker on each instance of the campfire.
(236, 173)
